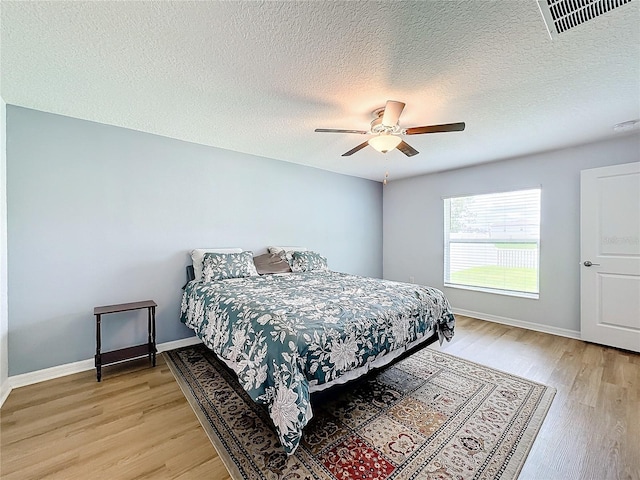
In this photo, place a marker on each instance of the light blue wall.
(99, 215)
(414, 222)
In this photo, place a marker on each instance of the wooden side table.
(149, 348)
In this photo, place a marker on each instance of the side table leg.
(98, 346)
(152, 330)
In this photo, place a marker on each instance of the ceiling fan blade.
(447, 127)
(407, 149)
(392, 111)
(336, 130)
(356, 149)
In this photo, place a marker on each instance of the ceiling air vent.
(563, 15)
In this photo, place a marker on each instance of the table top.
(124, 307)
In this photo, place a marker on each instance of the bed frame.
(191, 275)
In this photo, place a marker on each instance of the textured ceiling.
(259, 77)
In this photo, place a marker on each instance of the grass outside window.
(501, 278)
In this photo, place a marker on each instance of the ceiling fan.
(386, 130)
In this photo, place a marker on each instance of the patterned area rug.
(428, 416)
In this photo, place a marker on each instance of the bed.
(290, 334)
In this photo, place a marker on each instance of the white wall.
(4, 328)
(413, 228)
(99, 215)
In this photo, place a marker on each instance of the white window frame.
(447, 248)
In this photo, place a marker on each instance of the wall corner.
(5, 389)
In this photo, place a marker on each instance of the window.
(492, 242)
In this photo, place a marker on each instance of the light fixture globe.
(384, 142)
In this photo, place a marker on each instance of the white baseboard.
(30, 378)
(5, 390)
(538, 327)
(184, 342)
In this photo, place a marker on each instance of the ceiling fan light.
(384, 143)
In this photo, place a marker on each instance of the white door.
(610, 256)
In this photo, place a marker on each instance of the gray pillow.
(271, 263)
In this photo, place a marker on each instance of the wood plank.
(130, 425)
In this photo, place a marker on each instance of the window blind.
(492, 242)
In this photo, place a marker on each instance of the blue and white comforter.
(281, 333)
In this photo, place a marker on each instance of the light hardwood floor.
(137, 424)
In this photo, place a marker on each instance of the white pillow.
(286, 253)
(286, 249)
(197, 256)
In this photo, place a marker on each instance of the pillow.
(253, 272)
(197, 256)
(286, 249)
(220, 266)
(271, 263)
(308, 262)
(286, 253)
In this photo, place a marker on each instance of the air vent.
(563, 15)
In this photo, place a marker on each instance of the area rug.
(428, 416)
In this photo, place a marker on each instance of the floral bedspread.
(279, 333)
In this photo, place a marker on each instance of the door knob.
(588, 263)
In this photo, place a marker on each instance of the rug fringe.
(521, 453)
